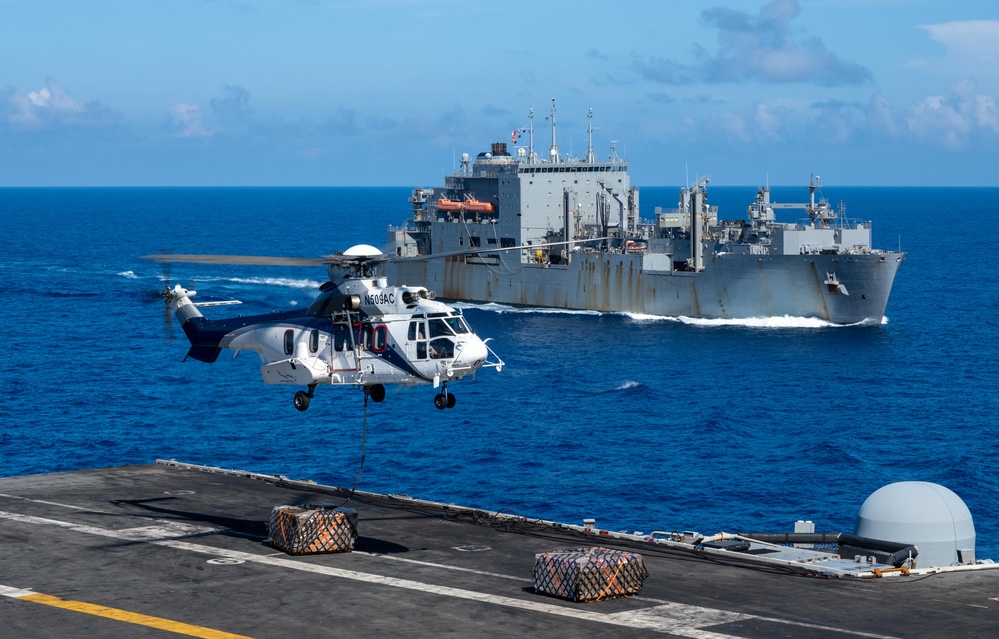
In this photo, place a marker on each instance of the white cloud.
(757, 48)
(977, 38)
(767, 121)
(50, 107)
(186, 121)
(956, 121)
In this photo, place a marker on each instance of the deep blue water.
(641, 424)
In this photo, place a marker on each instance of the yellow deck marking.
(131, 617)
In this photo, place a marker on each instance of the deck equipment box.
(309, 529)
(588, 574)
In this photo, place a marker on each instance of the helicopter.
(359, 331)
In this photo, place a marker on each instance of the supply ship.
(568, 233)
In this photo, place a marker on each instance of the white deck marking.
(7, 591)
(445, 566)
(49, 503)
(674, 618)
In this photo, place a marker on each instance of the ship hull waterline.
(730, 287)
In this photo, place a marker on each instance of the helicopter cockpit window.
(439, 327)
(457, 325)
(314, 341)
(289, 342)
(441, 348)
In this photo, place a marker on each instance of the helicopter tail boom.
(203, 348)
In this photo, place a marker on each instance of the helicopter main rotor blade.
(264, 260)
(438, 256)
(250, 260)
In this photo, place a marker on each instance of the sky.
(392, 92)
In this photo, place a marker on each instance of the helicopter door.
(416, 347)
(343, 348)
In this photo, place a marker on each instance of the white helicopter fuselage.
(359, 332)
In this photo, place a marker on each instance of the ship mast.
(589, 137)
(532, 157)
(553, 152)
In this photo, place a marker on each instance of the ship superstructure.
(587, 246)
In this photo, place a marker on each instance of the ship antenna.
(530, 128)
(589, 136)
(553, 152)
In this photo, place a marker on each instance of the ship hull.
(841, 289)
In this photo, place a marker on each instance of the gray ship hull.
(730, 287)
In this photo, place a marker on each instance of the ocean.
(640, 423)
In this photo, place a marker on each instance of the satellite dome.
(930, 516)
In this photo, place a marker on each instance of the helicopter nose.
(473, 353)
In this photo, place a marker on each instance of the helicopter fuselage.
(358, 332)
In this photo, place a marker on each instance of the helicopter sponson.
(358, 332)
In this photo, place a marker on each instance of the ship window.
(475, 242)
(289, 342)
(490, 240)
(507, 242)
(340, 337)
(314, 341)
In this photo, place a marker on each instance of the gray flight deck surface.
(159, 551)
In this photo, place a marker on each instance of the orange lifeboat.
(475, 206)
(445, 204)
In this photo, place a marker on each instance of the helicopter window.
(380, 338)
(340, 337)
(314, 341)
(439, 327)
(289, 342)
(441, 348)
(364, 337)
(417, 330)
(457, 325)
(421, 350)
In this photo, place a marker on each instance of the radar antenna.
(589, 137)
(553, 152)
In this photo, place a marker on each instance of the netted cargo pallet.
(588, 574)
(308, 529)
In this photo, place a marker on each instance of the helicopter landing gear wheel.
(377, 392)
(302, 400)
(444, 399)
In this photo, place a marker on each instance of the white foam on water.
(287, 282)
(503, 308)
